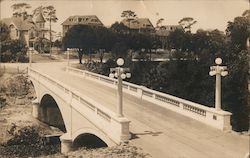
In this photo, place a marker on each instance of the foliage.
(42, 45)
(4, 32)
(119, 28)
(239, 31)
(159, 22)
(19, 9)
(57, 44)
(187, 23)
(13, 51)
(128, 14)
(88, 39)
(27, 142)
(16, 86)
(49, 12)
(179, 40)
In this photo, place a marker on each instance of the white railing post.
(140, 91)
(217, 118)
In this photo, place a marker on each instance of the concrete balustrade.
(116, 128)
(210, 116)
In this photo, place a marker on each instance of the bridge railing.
(116, 127)
(210, 116)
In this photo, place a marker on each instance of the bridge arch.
(50, 112)
(91, 138)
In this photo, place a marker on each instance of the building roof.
(84, 20)
(40, 18)
(138, 23)
(166, 29)
(19, 23)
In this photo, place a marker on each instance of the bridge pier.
(66, 143)
(35, 108)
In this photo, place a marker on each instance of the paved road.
(159, 132)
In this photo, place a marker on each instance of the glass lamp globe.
(123, 76)
(224, 73)
(120, 61)
(111, 75)
(218, 61)
(128, 75)
(211, 73)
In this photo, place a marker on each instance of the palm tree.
(187, 22)
(19, 9)
(159, 23)
(129, 15)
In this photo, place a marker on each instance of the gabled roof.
(166, 29)
(19, 23)
(138, 23)
(40, 18)
(84, 20)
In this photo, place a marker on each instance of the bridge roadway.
(158, 131)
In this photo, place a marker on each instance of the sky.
(210, 14)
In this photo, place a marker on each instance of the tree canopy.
(88, 39)
(20, 9)
(187, 23)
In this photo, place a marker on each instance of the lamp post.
(119, 73)
(218, 71)
(30, 55)
(68, 49)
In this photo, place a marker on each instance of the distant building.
(91, 20)
(139, 24)
(166, 29)
(27, 28)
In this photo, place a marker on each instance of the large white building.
(91, 20)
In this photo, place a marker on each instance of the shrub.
(27, 142)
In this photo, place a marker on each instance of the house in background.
(91, 20)
(27, 28)
(139, 25)
(166, 29)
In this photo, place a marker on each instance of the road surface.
(158, 131)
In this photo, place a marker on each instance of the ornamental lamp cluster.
(119, 73)
(221, 70)
(218, 71)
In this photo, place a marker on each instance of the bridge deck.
(159, 132)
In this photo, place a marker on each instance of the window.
(17, 32)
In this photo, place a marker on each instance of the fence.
(13, 67)
(99, 115)
(210, 116)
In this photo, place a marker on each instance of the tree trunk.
(80, 53)
(101, 55)
(150, 54)
(50, 35)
